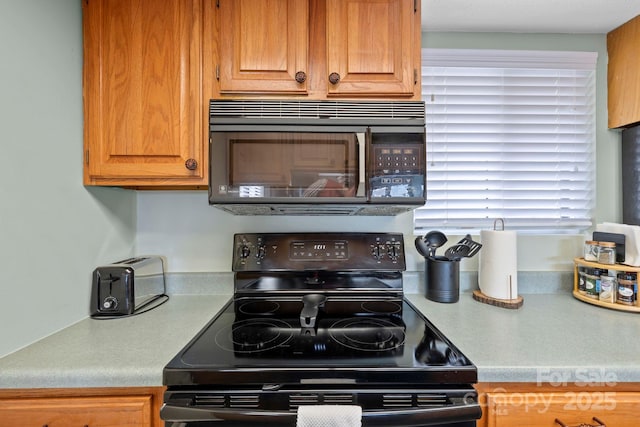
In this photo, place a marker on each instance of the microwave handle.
(362, 139)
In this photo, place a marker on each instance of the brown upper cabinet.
(151, 67)
(317, 49)
(623, 75)
(264, 46)
(143, 103)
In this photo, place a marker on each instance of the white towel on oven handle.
(329, 416)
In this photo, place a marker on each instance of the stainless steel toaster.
(127, 287)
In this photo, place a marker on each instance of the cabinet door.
(540, 409)
(370, 47)
(263, 46)
(624, 74)
(133, 411)
(142, 92)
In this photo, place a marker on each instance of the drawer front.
(533, 409)
(134, 411)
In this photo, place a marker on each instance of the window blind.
(511, 135)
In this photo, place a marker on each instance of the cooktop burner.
(367, 334)
(254, 335)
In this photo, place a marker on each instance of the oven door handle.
(394, 417)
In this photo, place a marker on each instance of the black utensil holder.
(443, 279)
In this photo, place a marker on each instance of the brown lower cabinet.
(90, 407)
(533, 405)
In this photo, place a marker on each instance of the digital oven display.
(320, 250)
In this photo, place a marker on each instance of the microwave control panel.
(397, 170)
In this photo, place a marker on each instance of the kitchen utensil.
(427, 245)
(422, 247)
(434, 240)
(457, 252)
(474, 247)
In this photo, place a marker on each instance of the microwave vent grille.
(220, 110)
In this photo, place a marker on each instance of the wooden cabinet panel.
(264, 44)
(593, 394)
(143, 102)
(624, 74)
(94, 407)
(370, 47)
(619, 409)
(65, 412)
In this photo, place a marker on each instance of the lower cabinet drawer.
(573, 408)
(129, 411)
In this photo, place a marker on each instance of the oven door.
(404, 407)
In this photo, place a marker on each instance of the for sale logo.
(579, 377)
(570, 400)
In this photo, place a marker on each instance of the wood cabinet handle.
(191, 164)
(334, 78)
(301, 77)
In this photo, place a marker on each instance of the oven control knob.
(394, 251)
(261, 252)
(244, 251)
(378, 251)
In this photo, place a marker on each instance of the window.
(511, 135)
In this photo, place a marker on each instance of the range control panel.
(268, 252)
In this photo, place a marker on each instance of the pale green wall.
(53, 231)
(196, 237)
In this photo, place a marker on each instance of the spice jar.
(582, 280)
(606, 252)
(627, 289)
(592, 283)
(591, 250)
(607, 288)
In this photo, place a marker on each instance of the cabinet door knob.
(334, 78)
(191, 164)
(301, 77)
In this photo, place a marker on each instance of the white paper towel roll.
(498, 264)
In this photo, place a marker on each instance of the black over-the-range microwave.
(317, 157)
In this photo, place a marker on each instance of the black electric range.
(319, 319)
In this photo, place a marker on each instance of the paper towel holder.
(511, 302)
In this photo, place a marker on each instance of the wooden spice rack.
(580, 262)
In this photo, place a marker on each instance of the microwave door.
(289, 167)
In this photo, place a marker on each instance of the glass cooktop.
(264, 341)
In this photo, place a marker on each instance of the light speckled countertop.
(553, 337)
(124, 352)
